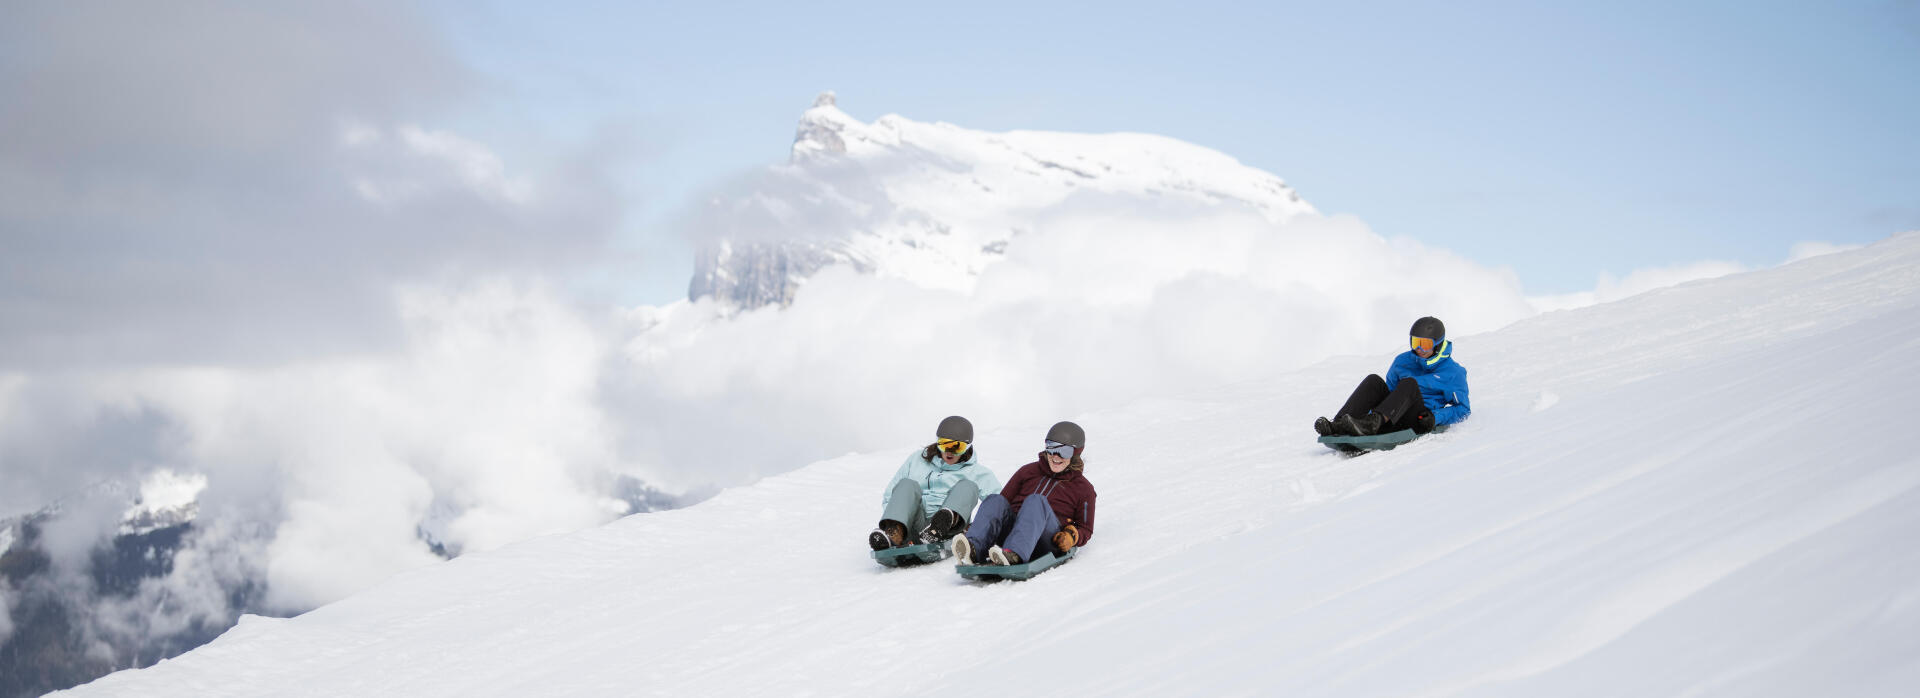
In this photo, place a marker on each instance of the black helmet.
(1068, 433)
(1429, 328)
(956, 428)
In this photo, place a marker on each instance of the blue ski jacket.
(936, 478)
(1443, 382)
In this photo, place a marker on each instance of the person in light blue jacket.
(934, 493)
(1424, 388)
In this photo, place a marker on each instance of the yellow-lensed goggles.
(952, 446)
(1422, 345)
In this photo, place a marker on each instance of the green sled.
(912, 554)
(1356, 445)
(1022, 571)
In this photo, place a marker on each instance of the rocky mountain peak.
(822, 129)
(936, 204)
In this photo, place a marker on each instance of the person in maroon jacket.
(1046, 507)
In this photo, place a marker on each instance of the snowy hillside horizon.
(1690, 492)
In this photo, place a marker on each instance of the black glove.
(1423, 421)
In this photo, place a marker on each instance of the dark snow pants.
(1027, 532)
(1401, 405)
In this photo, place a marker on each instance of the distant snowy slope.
(1699, 491)
(935, 204)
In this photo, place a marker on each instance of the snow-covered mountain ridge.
(1685, 493)
(936, 204)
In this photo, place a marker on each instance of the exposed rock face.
(750, 275)
(818, 134)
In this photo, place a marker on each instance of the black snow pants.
(1401, 405)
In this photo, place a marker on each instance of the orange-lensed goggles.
(1423, 345)
(952, 446)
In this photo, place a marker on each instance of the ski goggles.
(952, 446)
(1055, 448)
(1422, 345)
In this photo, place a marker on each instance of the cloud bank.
(240, 249)
(1108, 299)
(234, 182)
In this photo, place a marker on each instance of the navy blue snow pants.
(1026, 532)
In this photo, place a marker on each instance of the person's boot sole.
(962, 550)
(1001, 557)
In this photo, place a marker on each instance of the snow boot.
(890, 534)
(1003, 556)
(1345, 426)
(1364, 425)
(962, 550)
(1323, 426)
(946, 524)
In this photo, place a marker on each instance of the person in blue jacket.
(1424, 388)
(935, 491)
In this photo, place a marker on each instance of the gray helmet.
(1429, 328)
(956, 428)
(1068, 433)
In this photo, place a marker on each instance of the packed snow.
(1697, 491)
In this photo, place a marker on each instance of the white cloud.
(84, 523)
(1102, 304)
(490, 413)
(165, 489)
(433, 162)
(348, 526)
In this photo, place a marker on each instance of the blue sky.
(1560, 139)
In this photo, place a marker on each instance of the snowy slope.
(1700, 491)
(936, 204)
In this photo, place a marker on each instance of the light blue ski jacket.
(1443, 383)
(936, 477)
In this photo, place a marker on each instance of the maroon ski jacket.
(1069, 493)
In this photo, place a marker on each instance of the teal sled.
(1023, 571)
(1356, 445)
(912, 554)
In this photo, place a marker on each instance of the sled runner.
(912, 554)
(1356, 445)
(1022, 571)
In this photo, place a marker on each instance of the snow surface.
(1698, 491)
